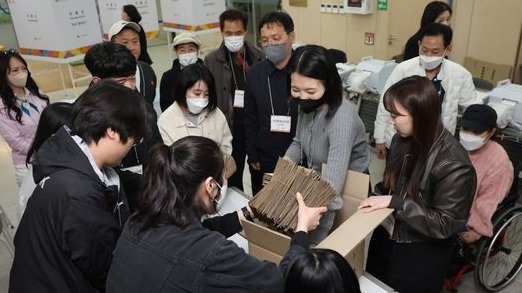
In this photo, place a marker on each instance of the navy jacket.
(262, 145)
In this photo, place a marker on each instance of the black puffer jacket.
(65, 239)
(446, 193)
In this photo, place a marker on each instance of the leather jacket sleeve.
(443, 204)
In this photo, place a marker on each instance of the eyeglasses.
(8, 52)
(138, 141)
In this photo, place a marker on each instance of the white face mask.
(471, 142)
(18, 80)
(188, 58)
(431, 62)
(196, 105)
(223, 194)
(234, 44)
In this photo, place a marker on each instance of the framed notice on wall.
(55, 30)
(110, 12)
(199, 16)
(300, 3)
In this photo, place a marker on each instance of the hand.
(307, 217)
(469, 236)
(256, 166)
(373, 203)
(380, 150)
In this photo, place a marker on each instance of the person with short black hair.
(230, 64)
(195, 110)
(111, 60)
(320, 270)
(186, 46)
(127, 33)
(329, 131)
(131, 13)
(65, 240)
(435, 11)
(165, 247)
(493, 167)
(270, 114)
(453, 82)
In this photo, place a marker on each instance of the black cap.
(479, 118)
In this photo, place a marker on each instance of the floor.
(49, 80)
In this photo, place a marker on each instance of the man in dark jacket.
(65, 239)
(230, 64)
(127, 33)
(270, 114)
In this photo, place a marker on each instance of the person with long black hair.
(20, 106)
(166, 248)
(430, 182)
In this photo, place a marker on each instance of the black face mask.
(310, 105)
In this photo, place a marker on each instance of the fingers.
(300, 200)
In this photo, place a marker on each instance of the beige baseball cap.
(120, 25)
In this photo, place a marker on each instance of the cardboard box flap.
(265, 238)
(356, 184)
(354, 230)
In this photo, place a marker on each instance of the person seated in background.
(453, 83)
(492, 165)
(320, 270)
(21, 103)
(436, 11)
(186, 45)
(65, 240)
(53, 117)
(112, 61)
(195, 111)
(165, 247)
(131, 13)
(127, 33)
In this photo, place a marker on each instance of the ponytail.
(172, 178)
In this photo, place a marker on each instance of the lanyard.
(271, 100)
(241, 60)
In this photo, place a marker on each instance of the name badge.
(280, 123)
(239, 99)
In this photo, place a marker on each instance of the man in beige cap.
(127, 33)
(230, 65)
(186, 46)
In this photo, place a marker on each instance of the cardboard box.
(351, 228)
(489, 71)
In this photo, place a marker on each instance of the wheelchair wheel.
(499, 258)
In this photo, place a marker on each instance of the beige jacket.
(173, 125)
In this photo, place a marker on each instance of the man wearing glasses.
(108, 60)
(270, 115)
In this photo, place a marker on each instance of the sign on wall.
(192, 15)
(55, 30)
(110, 12)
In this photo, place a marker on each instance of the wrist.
(247, 214)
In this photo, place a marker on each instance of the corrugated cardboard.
(489, 71)
(352, 226)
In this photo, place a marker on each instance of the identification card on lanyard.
(239, 99)
(280, 123)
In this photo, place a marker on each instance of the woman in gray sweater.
(329, 129)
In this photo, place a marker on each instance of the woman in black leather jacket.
(164, 247)
(431, 183)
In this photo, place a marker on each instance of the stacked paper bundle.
(276, 205)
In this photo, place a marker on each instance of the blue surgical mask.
(275, 53)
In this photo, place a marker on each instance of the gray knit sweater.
(340, 142)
